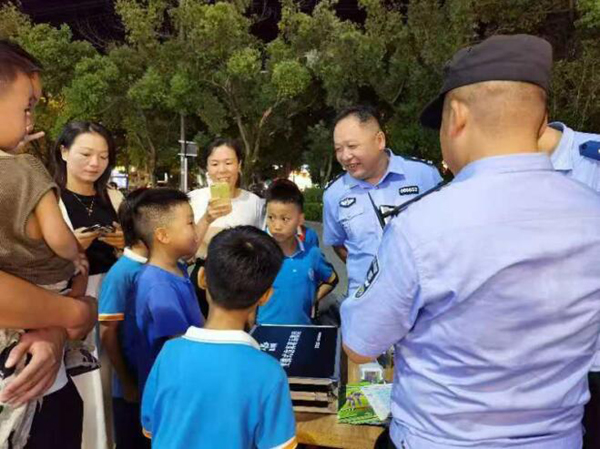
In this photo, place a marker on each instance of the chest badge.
(409, 190)
(347, 202)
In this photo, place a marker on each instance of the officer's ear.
(458, 117)
(380, 139)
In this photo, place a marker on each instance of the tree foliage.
(200, 61)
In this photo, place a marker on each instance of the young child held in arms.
(305, 275)
(35, 242)
(165, 301)
(116, 301)
(214, 388)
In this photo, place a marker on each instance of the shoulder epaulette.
(330, 183)
(418, 159)
(590, 149)
(396, 210)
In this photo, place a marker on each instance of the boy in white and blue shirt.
(306, 276)
(213, 387)
(116, 297)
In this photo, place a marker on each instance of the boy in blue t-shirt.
(306, 275)
(116, 296)
(214, 388)
(165, 301)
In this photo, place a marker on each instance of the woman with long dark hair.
(83, 158)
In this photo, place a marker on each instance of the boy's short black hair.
(363, 113)
(241, 264)
(126, 216)
(285, 191)
(152, 209)
(15, 60)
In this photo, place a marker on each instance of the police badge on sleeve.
(371, 275)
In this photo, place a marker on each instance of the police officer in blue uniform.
(577, 155)
(488, 288)
(376, 180)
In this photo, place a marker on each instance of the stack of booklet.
(310, 355)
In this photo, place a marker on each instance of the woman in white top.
(223, 162)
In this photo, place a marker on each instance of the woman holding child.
(83, 159)
(223, 163)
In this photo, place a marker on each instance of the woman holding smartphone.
(83, 158)
(223, 204)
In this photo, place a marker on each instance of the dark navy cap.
(519, 57)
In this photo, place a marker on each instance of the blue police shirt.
(217, 389)
(165, 306)
(115, 294)
(349, 217)
(295, 287)
(578, 156)
(489, 290)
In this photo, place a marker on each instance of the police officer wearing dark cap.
(488, 288)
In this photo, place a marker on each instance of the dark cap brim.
(431, 117)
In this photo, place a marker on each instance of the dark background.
(96, 21)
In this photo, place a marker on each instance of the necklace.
(89, 208)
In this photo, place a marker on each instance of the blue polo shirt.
(349, 209)
(165, 307)
(115, 294)
(489, 290)
(217, 389)
(295, 287)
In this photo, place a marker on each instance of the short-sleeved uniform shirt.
(295, 287)
(489, 289)
(216, 389)
(116, 294)
(349, 216)
(577, 155)
(165, 306)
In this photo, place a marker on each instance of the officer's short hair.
(285, 191)
(15, 60)
(363, 113)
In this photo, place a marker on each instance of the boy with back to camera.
(305, 275)
(213, 387)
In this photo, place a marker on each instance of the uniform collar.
(127, 252)
(561, 156)
(225, 337)
(505, 164)
(395, 165)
